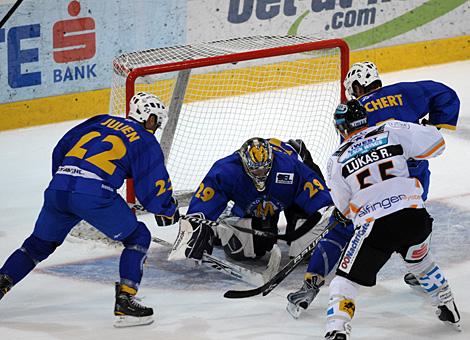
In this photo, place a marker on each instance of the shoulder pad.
(377, 131)
(341, 149)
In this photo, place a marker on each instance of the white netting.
(286, 96)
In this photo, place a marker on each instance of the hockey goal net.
(223, 92)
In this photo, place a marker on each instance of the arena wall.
(55, 55)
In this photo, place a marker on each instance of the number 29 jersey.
(368, 175)
(96, 156)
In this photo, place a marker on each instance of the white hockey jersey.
(368, 175)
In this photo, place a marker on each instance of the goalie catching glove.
(195, 237)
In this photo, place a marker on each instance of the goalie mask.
(257, 159)
(363, 73)
(143, 105)
(350, 117)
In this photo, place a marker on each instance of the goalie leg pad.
(238, 245)
(301, 243)
(195, 237)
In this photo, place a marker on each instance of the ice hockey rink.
(71, 294)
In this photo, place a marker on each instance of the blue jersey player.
(89, 163)
(262, 178)
(428, 102)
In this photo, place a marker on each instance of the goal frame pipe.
(234, 58)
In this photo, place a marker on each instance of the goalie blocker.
(195, 237)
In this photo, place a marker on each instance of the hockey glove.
(163, 221)
(194, 238)
(340, 217)
(307, 159)
(426, 122)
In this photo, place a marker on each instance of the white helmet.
(364, 73)
(143, 104)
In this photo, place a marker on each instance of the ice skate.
(340, 335)
(447, 311)
(129, 312)
(5, 284)
(301, 299)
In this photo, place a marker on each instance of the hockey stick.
(183, 197)
(266, 288)
(240, 273)
(308, 225)
(299, 232)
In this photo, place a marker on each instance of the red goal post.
(223, 92)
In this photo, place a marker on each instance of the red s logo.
(70, 46)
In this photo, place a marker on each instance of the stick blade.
(240, 294)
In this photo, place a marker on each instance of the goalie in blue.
(261, 179)
(425, 102)
(89, 163)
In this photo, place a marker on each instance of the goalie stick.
(272, 283)
(240, 273)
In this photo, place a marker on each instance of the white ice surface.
(79, 304)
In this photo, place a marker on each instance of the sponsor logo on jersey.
(75, 171)
(106, 187)
(284, 178)
(417, 252)
(348, 307)
(363, 146)
(396, 124)
(354, 246)
(386, 203)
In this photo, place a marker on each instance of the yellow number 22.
(103, 159)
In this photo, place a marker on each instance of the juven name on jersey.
(127, 130)
(370, 157)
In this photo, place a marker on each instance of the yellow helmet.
(257, 159)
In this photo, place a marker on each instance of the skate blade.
(123, 321)
(294, 310)
(454, 326)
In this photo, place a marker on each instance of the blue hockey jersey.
(289, 182)
(410, 102)
(96, 156)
